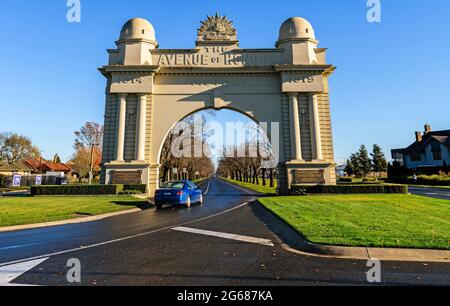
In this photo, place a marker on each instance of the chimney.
(418, 136)
(427, 128)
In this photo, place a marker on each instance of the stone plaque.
(302, 177)
(127, 177)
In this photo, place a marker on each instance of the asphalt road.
(145, 249)
(438, 193)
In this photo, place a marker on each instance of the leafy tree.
(88, 139)
(352, 165)
(379, 163)
(81, 162)
(56, 159)
(364, 163)
(15, 147)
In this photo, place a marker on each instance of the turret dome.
(138, 28)
(296, 28)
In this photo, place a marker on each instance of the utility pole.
(91, 167)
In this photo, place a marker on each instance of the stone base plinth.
(127, 173)
(311, 173)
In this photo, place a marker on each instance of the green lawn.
(30, 210)
(259, 188)
(367, 220)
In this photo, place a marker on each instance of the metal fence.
(10, 181)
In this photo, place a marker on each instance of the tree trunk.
(264, 182)
(272, 182)
(165, 172)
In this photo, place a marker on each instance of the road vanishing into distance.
(222, 243)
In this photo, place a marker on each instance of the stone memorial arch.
(150, 89)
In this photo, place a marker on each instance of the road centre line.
(248, 239)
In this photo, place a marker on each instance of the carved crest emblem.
(217, 28)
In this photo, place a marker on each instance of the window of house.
(437, 155)
(436, 150)
(415, 157)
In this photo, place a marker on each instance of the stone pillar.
(295, 127)
(141, 127)
(315, 128)
(122, 112)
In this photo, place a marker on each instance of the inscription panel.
(131, 83)
(297, 82)
(216, 57)
(127, 177)
(308, 177)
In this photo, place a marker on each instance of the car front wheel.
(201, 200)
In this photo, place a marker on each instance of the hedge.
(345, 180)
(85, 189)
(348, 189)
(138, 188)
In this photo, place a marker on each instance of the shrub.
(136, 188)
(2, 181)
(130, 192)
(345, 180)
(348, 189)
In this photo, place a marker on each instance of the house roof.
(42, 165)
(35, 163)
(58, 167)
(15, 167)
(442, 137)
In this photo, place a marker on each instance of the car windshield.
(173, 185)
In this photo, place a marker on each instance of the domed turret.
(296, 28)
(298, 39)
(138, 28)
(137, 40)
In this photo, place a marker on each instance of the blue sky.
(391, 77)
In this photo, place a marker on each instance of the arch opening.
(224, 142)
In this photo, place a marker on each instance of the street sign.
(17, 179)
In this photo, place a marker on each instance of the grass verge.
(375, 220)
(31, 210)
(258, 188)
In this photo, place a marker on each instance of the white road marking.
(121, 239)
(438, 194)
(248, 239)
(13, 247)
(11, 272)
(207, 188)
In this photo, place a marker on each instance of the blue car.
(178, 193)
